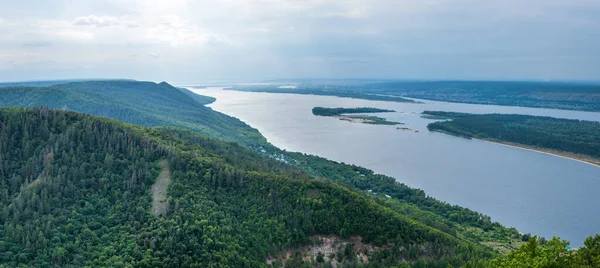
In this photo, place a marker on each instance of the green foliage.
(554, 253)
(360, 178)
(342, 114)
(574, 136)
(75, 191)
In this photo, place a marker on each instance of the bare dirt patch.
(332, 248)
(159, 190)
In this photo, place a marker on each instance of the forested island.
(575, 139)
(193, 187)
(338, 111)
(346, 115)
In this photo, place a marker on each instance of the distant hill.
(46, 83)
(204, 100)
(143, 103)
(555, 95)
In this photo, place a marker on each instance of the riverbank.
(580, 158)
(568, 138)
(446, 168)
(571, 156)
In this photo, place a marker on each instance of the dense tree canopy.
(75, 192)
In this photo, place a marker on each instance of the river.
(531, 191)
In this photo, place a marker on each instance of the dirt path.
(159, 190)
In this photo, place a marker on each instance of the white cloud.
(98, 21)
(249, 37)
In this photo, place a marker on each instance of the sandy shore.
(583, 159)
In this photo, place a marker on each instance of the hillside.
(76, 191)
(204, 100)
(165, 102)
(143, 103)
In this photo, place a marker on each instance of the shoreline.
(585, 160)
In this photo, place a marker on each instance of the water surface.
(531, 191)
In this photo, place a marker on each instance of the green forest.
(76, 190)
(351, 114)
(567, 135)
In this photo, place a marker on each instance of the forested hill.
(143, 103)
(199, 98)
(160, 105)
(75, 191)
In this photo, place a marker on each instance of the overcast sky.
(184, 41)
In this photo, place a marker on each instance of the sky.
(184, 41)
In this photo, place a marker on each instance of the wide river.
(534, 192)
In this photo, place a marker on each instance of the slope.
(151, 104)
(75, 191)
(143, 103)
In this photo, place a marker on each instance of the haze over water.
(534, 192)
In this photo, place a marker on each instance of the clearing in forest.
(159, 189)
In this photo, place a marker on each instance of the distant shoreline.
(583, 159)
(579, 158)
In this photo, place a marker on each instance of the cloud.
(37, 44)
(254, 39)
(98, 21)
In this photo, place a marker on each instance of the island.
(574, 139)
(349, 114)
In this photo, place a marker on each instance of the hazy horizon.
(184, 41)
